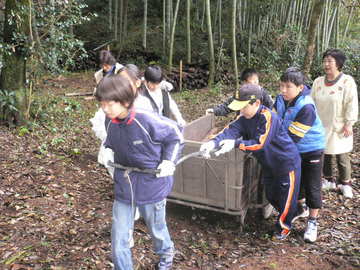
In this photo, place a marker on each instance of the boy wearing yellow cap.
(260, 131)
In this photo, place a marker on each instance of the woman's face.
(329, 65)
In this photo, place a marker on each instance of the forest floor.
(56, 202)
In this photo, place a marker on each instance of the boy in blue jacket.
(297, 109)
(143, 140)
(260, 131)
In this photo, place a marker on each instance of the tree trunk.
(314, 21)
(164, 27)
(13, 76)
(233, 39)
(173, 34)
(110, 14)
(116, 19)
(211, 45)
(145, 24)
(188, 33)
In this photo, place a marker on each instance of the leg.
(344, 165)
(329, 181)
(121, 235)
(155, 219)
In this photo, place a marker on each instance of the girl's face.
(253, 79)
(329, 64)
(114, 109)
(250, 110)
(289, 90)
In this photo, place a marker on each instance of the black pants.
(310, 186)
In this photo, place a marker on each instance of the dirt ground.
(56, 204)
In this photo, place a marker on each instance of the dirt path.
(55, 205)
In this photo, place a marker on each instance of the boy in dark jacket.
(251, 76)
(147, 141)
(260, 131)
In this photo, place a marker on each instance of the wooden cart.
(228, 183)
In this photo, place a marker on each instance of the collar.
(127, 120)
(292, 103)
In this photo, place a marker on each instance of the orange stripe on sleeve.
(264, 136)
(288, 200)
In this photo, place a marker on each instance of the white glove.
(181, 122)
(206, 148)
(208, 111)
(226, 146)
(166, 168)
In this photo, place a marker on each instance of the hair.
(338, 55)
(133, 71)
(106, 58)
(294, 75)
(247, 73)
(153, 74)
(115, 88)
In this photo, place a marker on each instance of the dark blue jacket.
(264, 136)
(302, 122)
(143, 140)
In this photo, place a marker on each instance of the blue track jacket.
(143, 140)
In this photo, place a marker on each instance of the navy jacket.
(264, 136)
(143, 140)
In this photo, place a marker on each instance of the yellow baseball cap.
(246, 94)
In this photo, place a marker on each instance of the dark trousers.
(282, 192)
(343, 164)
(310, 186)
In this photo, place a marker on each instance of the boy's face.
(250, 110)
(289, 90)
(152, 86)
(253, 79)
(114, 109)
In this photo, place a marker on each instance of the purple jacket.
(143, 140)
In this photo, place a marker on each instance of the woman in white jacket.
(336, 98)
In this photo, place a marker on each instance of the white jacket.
(337, 105)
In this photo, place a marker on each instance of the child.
(249, 75)
(259, 130)
(157, 93)
(144, 140)
(108, 65)
(297, 109)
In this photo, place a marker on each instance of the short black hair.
(153, 74)
(247, 73)
(338, 55)
(106, 58)
(294, 75)
(115, 88)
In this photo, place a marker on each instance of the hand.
(348, 130)
(206, 148)
(181, 122)
(166, 167)
(225, 146)
(208, 111)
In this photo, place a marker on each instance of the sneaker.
(137, 214)
(328, 185)
(282, 235)
(302, 212)
(310, 234)
(267, 211)
(346, 191)
(162, 265)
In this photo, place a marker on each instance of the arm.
(302, 123)
(266, 99)
(176, 112)
(350, 106)
(233, 132)
(222, 109)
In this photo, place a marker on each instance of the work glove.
(225, 146)
(166, 167)
(209, 111)
(181, 122)
(206, 148)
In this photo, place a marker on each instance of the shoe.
(162, 265)
(346, 191)
(328, 185)
(302, 212)
(137, 214)
(310, 234)
(267, 211)
(282, 235)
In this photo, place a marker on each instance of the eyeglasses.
(328, 61)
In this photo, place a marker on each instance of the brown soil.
(56, 210)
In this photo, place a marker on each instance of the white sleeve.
(176, 112)
(351, 105)
(98, 124)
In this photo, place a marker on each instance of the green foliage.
(8, 105)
